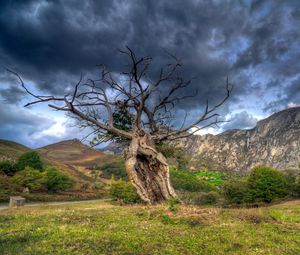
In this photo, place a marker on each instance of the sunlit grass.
(102, 228)
(214, 178)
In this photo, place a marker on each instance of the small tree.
(7, 167)
(31, 159)
(265, 185)
(234, 191)
(124, 191)
(57, 181)
(150, 103)
(31, 178)
(293, 180)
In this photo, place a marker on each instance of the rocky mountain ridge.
(275, 141)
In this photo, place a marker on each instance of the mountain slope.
(275, 141)
(71, 151)
(71, 156)
(75, 158)
(11, 150)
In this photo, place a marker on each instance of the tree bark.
(148, 171)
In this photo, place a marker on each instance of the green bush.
(173, 204)
(183, 180)
(7, 167)
(209, 198)
(30, 178)
(296, 188)
(171, 151)
(57, 181)
(234, 191)
(98, 185)
(31, 159)
(116, 169)
(7, 188)
(265, 185)
(293, 179)
(124, 191)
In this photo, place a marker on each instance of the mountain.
(71, 156)
(113, 149)
(74, 157)
(71, 151)
(11, 150)
(275, 141)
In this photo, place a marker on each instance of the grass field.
(102, 228)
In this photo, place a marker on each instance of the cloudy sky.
(49, 43)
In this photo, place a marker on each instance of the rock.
(275, 141)
(16, 201)
(26, 190)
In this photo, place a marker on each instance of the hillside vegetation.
(77, 160)
(38, 177)
(102, 228)
(71, 156)
(94, 174)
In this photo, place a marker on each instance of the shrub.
(183, 180)
(293, 180)
(57, 181)
(7, 167)
(98, 185)
(173, 204)
(171, 151)
(116, 169)
(297, 188)
(209, 198)
(30, 178)
(265, 185)
(234, 191)
(124, 191)
(31, 159)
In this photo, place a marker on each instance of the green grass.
(101, 228)
(214, 178)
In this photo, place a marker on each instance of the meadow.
(104, 228)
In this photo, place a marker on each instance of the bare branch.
(151, 102)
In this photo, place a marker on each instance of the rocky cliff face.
(275, 141)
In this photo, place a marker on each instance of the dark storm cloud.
(51, 42)
(20, 125)
(12, 94)
(240, 120)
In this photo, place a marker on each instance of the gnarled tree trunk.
(148, 171)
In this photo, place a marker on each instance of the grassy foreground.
(102, 228)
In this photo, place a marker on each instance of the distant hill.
(75, 158)
(11, 150)
(71, 156)
(71, 151)
(113, 148)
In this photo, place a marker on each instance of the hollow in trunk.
(148, 171)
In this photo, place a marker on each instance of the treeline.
(30, 174)
(262, 186)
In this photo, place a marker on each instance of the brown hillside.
(10, 150)
(75, 158)
(71, 156)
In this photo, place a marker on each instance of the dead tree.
(151, 105)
